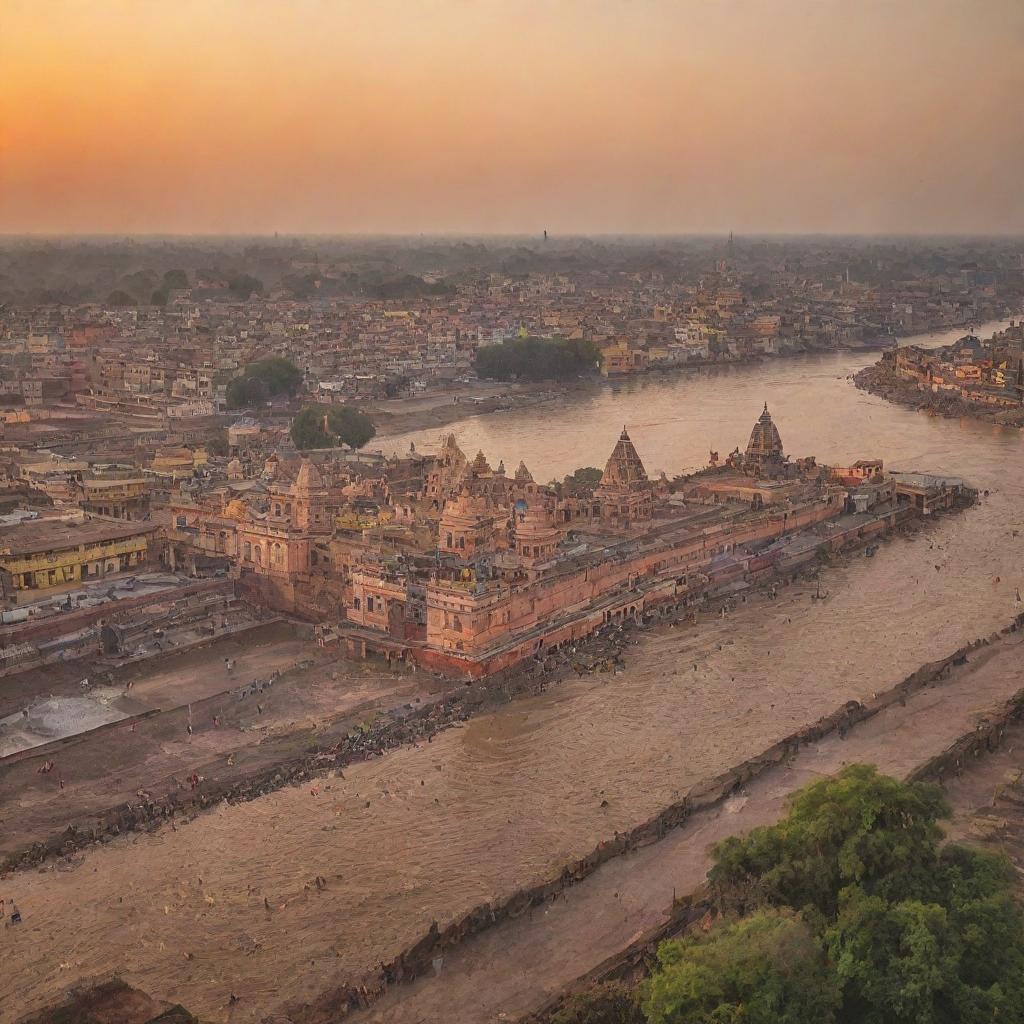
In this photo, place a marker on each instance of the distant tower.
(545, 234)
(730, 248)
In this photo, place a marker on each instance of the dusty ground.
(316, 704)
(228, 902)
(988, 800)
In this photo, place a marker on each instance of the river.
(426, 833)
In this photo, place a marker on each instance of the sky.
(511, 116)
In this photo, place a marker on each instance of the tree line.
(537, 359)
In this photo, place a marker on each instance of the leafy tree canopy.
(856, 827)
(120, 298)
(328, 426)
(915, 932)
(243, 392)
(175, 279)
(217, 443)
(537, 359)
(244, 285)
(765, 969)
(281, 376)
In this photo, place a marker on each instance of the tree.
(120, 298)
(280, 375)
(857, 827)
(536, 359)
(175, 280)
(159, 297)
(916, 933)
(243, 392)
(244, 285)
(765, 969)
(586, 478)
(327, 426)
(217, 443)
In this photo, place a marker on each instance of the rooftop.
(31, 537)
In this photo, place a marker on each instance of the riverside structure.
(466, 569)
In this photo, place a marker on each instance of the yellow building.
(42, 554)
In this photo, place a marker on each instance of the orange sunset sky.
(477, 116)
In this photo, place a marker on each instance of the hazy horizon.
(454, 119)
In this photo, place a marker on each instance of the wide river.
(426, 833)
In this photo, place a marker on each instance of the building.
(43, 554)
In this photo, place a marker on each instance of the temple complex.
(457, 565)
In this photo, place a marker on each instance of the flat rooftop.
(49, 535)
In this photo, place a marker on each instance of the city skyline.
(455, 118)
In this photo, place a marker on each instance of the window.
(369, 604)
(462, 543)
(355, 603)
(247, 551)
(277, 510)
(448, 543)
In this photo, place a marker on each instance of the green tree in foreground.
(858, 827)
(328, 426)
(915, 933)
(765, 969)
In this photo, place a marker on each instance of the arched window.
(275, 553)
(247, 551)
(277, 509)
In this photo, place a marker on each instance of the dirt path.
(229, 739)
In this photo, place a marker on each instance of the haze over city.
(584, 116)
(511, 511)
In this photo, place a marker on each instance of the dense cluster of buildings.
(170, 363)
(437, 557)
(465, 567)
(988, 373)
(118, 458)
